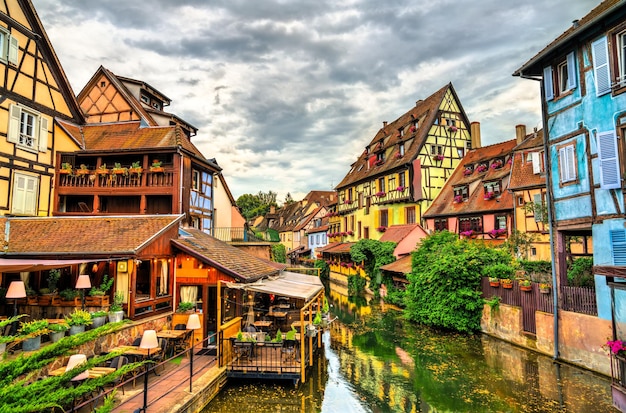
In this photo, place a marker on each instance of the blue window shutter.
(618, 242)
(609, 161)
(600, 55)
(547, 82)
(571, 71)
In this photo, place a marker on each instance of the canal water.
(375, 361)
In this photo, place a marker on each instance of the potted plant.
(32, 332)
(57, 331)
(135, 168)
(116, 312)
(31, 295)
(494, 282)
(83, 170)
(506, 283)
(156, 166)
(185, 307)
(98, 294)
(77, 321)
(66, 168)
(544, 288)
(70, 297)
(4, 340)
(53, 279)
(118, 169)
(102, 170)
(525, 285)
(438, 158)
(98, 318)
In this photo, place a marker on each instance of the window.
(402, 179)
(609, 161)
(196, 183)
(409, 215)
(533, 251)
(383, 220)
(436, 149)
(462, 191)
(25, 189)
(470, 224)
(381, 185)
(145, 99)
(538, 207)
(537, 160)
(520, 201)
(392, 183)
(562, 75)
(441, 224)
(27, 129)
(460, 152)
(494, 187)
(401, 149)
(620, 42)
(500, 222)
(9, 47)
(450, 122)
(567, 163)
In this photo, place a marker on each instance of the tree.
(255, 205)
(445, 282)
(288, 199)
(373, 254)
(279, 253)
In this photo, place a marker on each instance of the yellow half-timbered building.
(34, 91)
(403, 168)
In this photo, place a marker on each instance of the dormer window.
(401, 149)
(494, 187)
(481, 168)
(461, 192)
(145, 99)
(469, 169)
(497, 163)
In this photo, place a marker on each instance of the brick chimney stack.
(475, 134)
(520, 133)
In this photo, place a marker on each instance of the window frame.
(22, 194)
(563, 151)
(383, 218)
(461, 190)
(410, 215)
(473, 223)
(196, 180)
(15, 135)
(559, 78)
(441, 224)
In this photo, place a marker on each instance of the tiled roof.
(401, 265)
(225, 257)
(130, 135)
(336, 248)
(444, 204)
(324, 198)
(84, 235)
(522, 175)
(397, 233)
(426, 111)
(583, 25)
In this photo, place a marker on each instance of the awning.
(18, 265)
(288, 284)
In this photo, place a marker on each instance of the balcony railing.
(236, 234)
(392, 196)
(110, 180)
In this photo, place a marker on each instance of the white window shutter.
(601, 69)
(571, 163)
(13, 50)
(43, 134)
(563, 164)
(536, 162)
(30, 196)
(571, 71)
(609, 160)
(15, 113)
(547, 82)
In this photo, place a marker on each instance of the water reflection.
(375, 361)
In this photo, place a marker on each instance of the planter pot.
(545, 290)
(76, 330)
(116, 316)
(97, 300)
(311, 331)
(56, 336)
(44, 300)
(31, 344)
(506, 284)
(527, 288)
(494, 283)
(98, 321)
(82, 172)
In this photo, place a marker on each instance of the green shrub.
(580, 273)
(324, 269)
(279, 253)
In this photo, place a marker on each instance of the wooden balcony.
(131, 181)
(392, 196)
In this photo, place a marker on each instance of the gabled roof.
(444, 204)
(228, 259)
(337, 248)
(425, 111)
(522, 173)
(45, 47)
(107, 137)
(607, 10)
(397, 233)
(323, 198)
(81, 236)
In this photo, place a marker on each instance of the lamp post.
(148, 341)
(16, 290)
(193, 323)
(82, 283)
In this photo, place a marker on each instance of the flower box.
(489, 195)
(136, 171)
(496, 164)
(97, 300)
(468, 234)
(156, 169)
(494, 282)
(400, 189)
(458, 198)
(380, 194)
(544, 288)
(497, 232)
(481, 168)
(398, 155)
(438, 158)
(381, 229)
(82, 172)
(102, 171)
(506, 283)
(468, 171)
(44, 300)
(452, 128)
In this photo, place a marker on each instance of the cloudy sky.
(286, 94)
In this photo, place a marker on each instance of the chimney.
(520, 133)
(475, 134)
(384, 124)
(272, 209)
(417, 103)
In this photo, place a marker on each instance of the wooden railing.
(391, 196)
(130, 180)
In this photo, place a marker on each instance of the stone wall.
(580, 336)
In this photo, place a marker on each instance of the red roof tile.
(444, 204)
(401, 265)
(397, 233)
(84, 235)
(228, 259)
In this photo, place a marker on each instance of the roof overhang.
(287, 284)
(19, 265)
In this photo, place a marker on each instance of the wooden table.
(135, 351)
(94, 372)
(262, 324)
(174, 334)
(277, 314)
